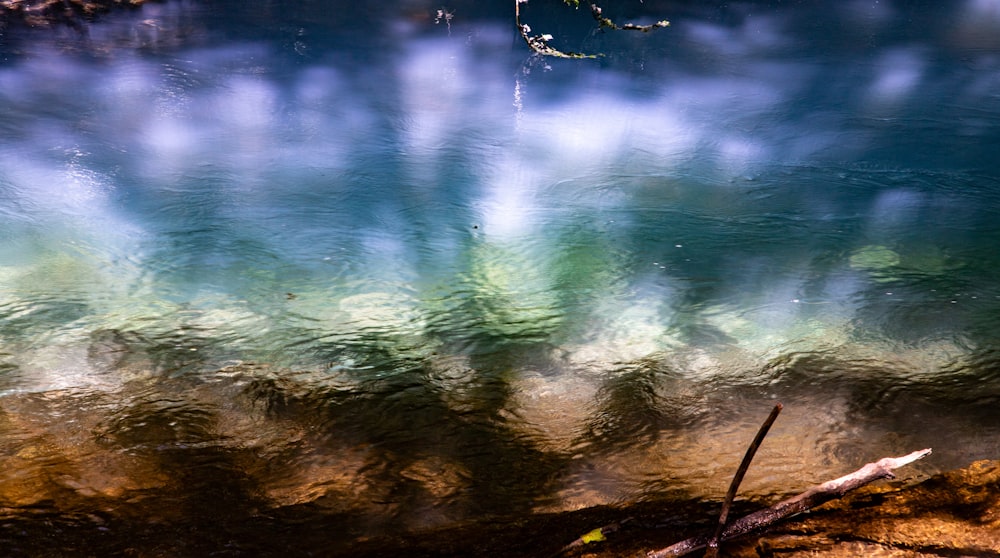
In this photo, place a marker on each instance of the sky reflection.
(226, 157)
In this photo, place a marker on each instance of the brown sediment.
(952, 514)
(164, 491)
(140, 460)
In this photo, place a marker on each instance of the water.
(404, 274)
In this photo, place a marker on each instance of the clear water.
(259, 257)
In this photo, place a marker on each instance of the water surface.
(406, 273)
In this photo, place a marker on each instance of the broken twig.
(829, 490)
(713, 543)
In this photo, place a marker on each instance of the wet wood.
(956, 513)
(829, 490)
(713, 541)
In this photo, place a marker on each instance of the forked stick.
(829, 490)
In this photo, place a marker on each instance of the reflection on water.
(256, 264)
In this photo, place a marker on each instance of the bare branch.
(829, 490)
(713, 543)
(539, 43)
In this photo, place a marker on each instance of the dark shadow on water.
(444, 449)
(634, 409)
(352, 466)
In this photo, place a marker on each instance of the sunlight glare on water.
(417, 276)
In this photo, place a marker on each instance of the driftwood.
(829, 490)
(759, 520)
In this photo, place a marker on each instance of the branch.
(829, 490)
(713, 542)
(539, 43)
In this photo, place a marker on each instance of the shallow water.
(408, 273)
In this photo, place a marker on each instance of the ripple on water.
(403, 288)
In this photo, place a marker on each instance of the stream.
(377, 262)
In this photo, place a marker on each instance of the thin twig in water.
(713, 543)
(540, 43)
(598, 14)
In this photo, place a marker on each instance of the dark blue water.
(408, 272)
